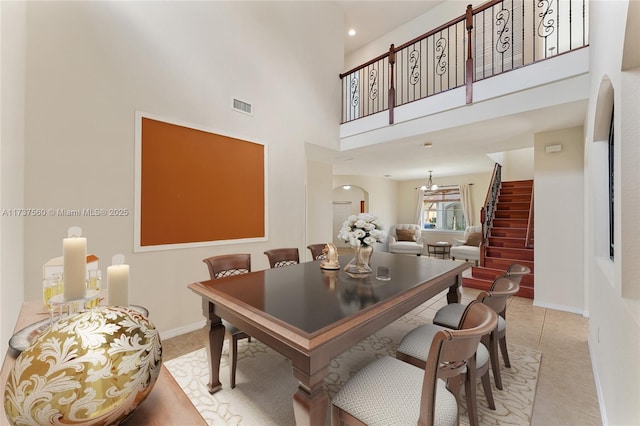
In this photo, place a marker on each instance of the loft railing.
(494, 38)
(488, 209)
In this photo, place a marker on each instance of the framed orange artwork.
(196, 187)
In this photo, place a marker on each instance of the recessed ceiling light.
(428, 145)
(352, 32)
(347, 187)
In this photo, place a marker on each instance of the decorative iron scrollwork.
(503, 19)
(441, 56)
(547, 24)
(373, 84)
(355, 99)
(414, 67)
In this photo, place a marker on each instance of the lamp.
(430, 185)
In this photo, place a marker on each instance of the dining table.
(311, 315)
(166, 404)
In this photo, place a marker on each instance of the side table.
(440, 248)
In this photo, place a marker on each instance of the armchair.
(405, 239)
(468, 248)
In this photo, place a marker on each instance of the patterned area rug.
(265, 384)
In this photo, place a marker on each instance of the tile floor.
(566, 394)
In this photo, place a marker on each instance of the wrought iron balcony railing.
(494, 38)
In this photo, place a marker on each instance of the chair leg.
(495, 359)
(470, 394)
(486, 385)
(505, 354)
(233, 358)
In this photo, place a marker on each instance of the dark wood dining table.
(311, 315)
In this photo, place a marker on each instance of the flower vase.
(359, 265)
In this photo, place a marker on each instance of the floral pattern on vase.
(91, 368)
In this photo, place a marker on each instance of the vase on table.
(359, 265)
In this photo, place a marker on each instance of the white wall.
(559, 221)
(518, 164)
(319, 206)
(614, 286)
(91, 65)
(383, 196)
(12, 82)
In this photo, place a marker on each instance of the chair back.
(453, 350)
(515, 272)
(282, 257)
(417, 232)
(501, 289)
(317, 251)
(228, 264)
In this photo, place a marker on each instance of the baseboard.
(596, 379)
(563, 308)
(182, 330)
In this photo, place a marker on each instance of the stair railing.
(488, 209)
(528, 241)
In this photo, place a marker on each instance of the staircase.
(507, 242)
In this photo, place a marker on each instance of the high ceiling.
(462, 150)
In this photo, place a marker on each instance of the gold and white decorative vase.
(359, 265)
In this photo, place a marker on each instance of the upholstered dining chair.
(390, 391)
(317, 251)
(224, 266)
(413, 348)
(499, 293)
(282, 257)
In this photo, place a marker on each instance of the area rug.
(265, 384)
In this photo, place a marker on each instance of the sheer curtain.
(465, 200)
(419, 208)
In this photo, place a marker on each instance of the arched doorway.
(347, 200)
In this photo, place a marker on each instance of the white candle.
(74, 252)
(118, 284)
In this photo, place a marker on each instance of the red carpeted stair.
(507, 239)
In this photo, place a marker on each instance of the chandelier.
(430, 185)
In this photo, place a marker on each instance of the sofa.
(405, 239)
(469, 247)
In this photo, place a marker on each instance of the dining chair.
(499, 293)
(317, 251)
(390, 391)
(414, 346)
(515, 272)
(282, 257)
(222, 266)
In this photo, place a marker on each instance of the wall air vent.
(242, 106)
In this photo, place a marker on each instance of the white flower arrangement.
(361, 230)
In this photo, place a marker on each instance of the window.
(443, 210)
(611, 181)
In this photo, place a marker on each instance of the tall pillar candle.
(118, 285)
(74, 251)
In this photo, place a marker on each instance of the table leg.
(214, 341)
(454, 295)
(311, 401)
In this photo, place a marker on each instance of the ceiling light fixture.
(352, 32)
(347, 187)
(428, 145)
(430, 185)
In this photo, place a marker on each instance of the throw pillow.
(406, 234)
(474, 239)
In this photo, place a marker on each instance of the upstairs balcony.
(496, 50)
